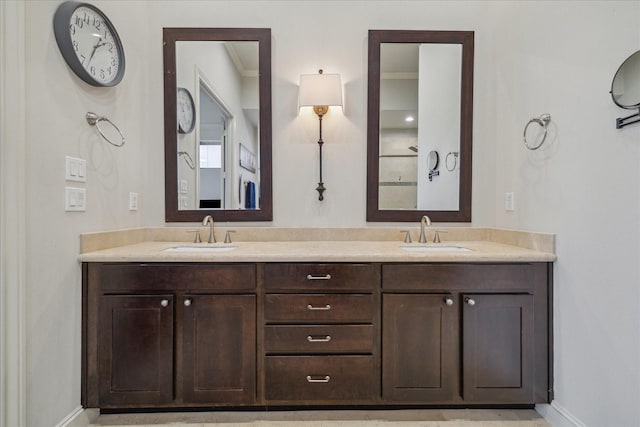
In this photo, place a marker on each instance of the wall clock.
(89, 43)
(186, 111)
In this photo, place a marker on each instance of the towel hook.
(543, 121)
(455, 155)
(94, 120)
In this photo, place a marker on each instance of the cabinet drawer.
(321, 277)
(319, 308)
(469, 276)
(319, 378)
(315, 339)
(170, 277)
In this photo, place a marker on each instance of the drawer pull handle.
(326, 379)
(164, 302)
(470, 301)
(325, 339)
(312, 277)
(326, 307)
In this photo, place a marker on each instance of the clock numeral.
(82, 58)
(114, 62)
(75, 45)
(109, 70)
(110, 46)
(97, 23)
(79, 22)
(72, 29)
(86, 18)
(93, 70)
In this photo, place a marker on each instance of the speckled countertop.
(316, 245)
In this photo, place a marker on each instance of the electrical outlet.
(509, 204)
(133, 201)
(75, 199)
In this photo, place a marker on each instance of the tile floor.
(346, 418)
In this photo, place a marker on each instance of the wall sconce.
(320, 91)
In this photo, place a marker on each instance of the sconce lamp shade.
(320, 90)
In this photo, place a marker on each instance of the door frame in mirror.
(376, 38)
(170, 37)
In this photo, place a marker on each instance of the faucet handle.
(196, 238)
(436, 237)
(227, 236)
(407, 236)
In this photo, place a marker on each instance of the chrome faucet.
(209, 220)
(424, 223)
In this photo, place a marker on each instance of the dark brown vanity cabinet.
(320, 344)
(463, 333)
(169, 335)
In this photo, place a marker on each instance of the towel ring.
(455, 155)
(94, 120)
(187, 159)
(543, 121)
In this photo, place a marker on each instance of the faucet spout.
(209, 220)
(424, 223)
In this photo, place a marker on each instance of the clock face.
(89, 43)
(94, 44)
(185, 111)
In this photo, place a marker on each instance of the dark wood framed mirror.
(420, 99)
(221, 164)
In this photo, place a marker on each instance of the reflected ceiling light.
(409, 119)
(320, 91)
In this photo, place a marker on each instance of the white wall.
(528, 60)
(584, 185)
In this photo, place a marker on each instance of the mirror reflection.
(224, 143)
(218, 137)
(625, 88)
(420, 105)
(419, 102)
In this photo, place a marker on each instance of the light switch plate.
(183, 186)
(75, 169)
(509, 203)
(133, 201)
(75, 199)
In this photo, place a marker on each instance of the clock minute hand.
(93, 52)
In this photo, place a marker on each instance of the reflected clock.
(186, 110)
(89, 43)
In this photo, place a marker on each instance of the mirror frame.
(466, 39)
(170, 37)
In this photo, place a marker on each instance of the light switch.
(183, 186)
(183, 202)
(75, 169)
(75, 199)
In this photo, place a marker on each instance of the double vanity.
(296, 318)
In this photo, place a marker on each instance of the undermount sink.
(200, 249)
(438, 248)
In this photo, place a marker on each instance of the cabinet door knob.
(325, 307)
(470, 301)
(312, 277)
(187, 302)
(326, 338)
(164, 302)
(448, 300)
(325, 379)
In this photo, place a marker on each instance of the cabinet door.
(135, 347)
(419, 348)
(219, 348)
(498, 348)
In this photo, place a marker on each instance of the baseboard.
(79, 417)
(558, 416)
